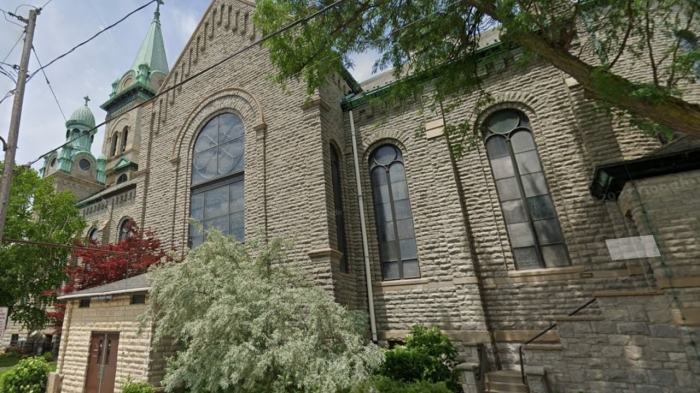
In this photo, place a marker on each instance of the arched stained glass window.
(124, 228)
(392, 208)
(531, 220)
(338, 202)
(217, 178)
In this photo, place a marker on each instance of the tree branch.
(672, 112)
(630, 25)
(648, 34)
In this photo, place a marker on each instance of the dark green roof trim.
(353, 101)
(350, 80)
(126, 95)
(609, 180)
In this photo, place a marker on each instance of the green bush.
(433, 342)
(387, 385)
(408, 365)
(135, 387)
(28, 376)
(47, 356)
(428, 355)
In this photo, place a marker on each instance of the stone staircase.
(505, 381)
(633, 345)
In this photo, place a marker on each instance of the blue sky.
(91, 69)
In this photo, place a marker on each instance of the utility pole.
(13, 134)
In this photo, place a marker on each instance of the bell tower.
(74, 168)
(122, 141)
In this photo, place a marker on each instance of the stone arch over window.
(217, 192)
(533, 227)
(124, 228)
(338, 213)
(234, 100)
(122, 178)
(398, 252)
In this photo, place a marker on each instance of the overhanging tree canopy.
(417, 37)
(30, 274)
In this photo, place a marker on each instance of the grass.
(8, 361)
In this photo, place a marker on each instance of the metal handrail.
(540, 334)
(483, 360)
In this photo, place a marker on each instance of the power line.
(8, 94)
(49, 83)
(12, 15)
(95, 36)
(8, 74)
(47, 3)
(13, 46)
(200, 73)
(56, 245)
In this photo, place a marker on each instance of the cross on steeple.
(87, 99)
(157, 13)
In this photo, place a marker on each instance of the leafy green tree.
(32, 273)
(635, 56)
(247, 322)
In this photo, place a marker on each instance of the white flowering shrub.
(248, 323)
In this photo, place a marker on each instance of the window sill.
(394, 283)
(546, 271)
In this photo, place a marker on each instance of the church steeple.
(152, 52)
(141, 82)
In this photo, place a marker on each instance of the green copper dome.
(82, 115)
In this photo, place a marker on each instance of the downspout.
(363, 226)
(64, 336)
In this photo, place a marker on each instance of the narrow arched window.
(217, 178)
(93, 234)
(397, 242)
(124, 229)
(125, 138)
(688, 43)
(122, 178)
(531, 220)
(115, 141)
(338, 202)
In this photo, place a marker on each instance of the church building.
(529, 227)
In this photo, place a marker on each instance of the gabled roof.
(136, 284)
(123, 163)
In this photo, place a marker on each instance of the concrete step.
(495, 387)
(504, 376)
(505, 381)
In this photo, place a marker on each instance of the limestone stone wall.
(447, 294)
(634, 345)
(106, 316)
(469, 283)
(107, 210)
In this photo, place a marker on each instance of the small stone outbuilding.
(103, 343)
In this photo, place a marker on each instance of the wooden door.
(102, 363)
